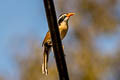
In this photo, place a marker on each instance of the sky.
(20, 19)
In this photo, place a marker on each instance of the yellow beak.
(70, 14)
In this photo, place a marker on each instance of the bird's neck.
(63, 28)
(64, 25)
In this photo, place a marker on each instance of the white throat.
(63, 25)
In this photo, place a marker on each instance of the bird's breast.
(63, 28)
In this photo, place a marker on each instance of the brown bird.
(47, 43)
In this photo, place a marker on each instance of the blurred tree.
(2, 78)
(93, 18)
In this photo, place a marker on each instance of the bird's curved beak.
(70, 14)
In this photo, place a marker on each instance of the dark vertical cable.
(55, 35)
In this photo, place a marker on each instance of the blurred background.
(92, 45)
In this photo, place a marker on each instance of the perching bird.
(47, 43)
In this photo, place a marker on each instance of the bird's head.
(64, 17)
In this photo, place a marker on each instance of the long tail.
(45, 60)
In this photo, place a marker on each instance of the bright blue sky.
(25, 18)
(18, 20)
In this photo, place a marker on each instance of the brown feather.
(47, 37)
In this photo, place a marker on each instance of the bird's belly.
(63, 34)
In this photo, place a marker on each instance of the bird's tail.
(45, 59)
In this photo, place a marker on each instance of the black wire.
(57, 44)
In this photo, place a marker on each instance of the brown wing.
(47, 37)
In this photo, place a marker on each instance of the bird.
(47, 43)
